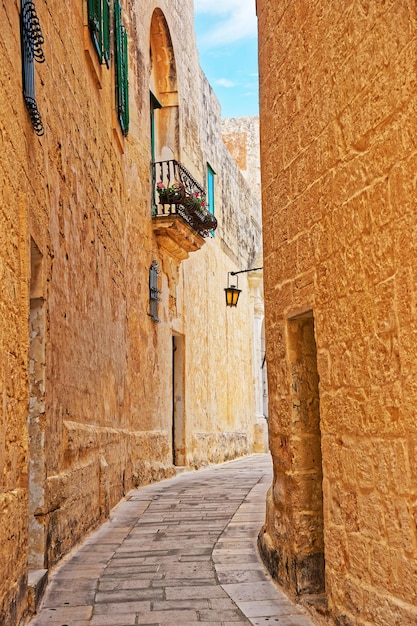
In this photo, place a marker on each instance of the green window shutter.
(210, 191)
(106, 32)
(210, 188)
(99, 25)
(125, 82)
(95, 25)
(122, 86)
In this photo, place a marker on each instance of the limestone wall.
(87, 377)
(219, 341)
(338, 152)
(14, 307)
(241, 136)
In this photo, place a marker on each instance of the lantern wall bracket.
(252, 269)
(232, 292)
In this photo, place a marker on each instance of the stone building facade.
(97, 394)
(338, 104)
(241, 136)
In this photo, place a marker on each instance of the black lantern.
(232, 292)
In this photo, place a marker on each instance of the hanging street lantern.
(232, 291)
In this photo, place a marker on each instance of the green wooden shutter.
(106, 32)
(95, 25)
(122, 86)
(125, 83)
(210, 188)
(210, 192)
(99, 24)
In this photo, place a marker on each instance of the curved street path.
(181, 552)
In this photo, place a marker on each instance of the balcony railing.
(176, 192)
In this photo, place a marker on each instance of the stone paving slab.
(177, 553)
(289, 620)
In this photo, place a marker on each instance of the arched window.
(164, 91)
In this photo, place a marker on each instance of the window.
(99, 25)
(155, 104)
(121, 53)
(210, 188)
(210, 192)
(154, 291)
(32, 40)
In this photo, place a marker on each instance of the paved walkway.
(181, 552)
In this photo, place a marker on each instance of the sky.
(226, 32)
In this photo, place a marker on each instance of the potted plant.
(171, 195)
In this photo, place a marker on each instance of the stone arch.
(164, 90)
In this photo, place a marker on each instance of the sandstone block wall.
(338, 153)
(14, 296)
(86, 376)
(241, 137)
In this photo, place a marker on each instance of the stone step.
(37, 581)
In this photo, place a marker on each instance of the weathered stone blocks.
(338, 101)
(86, 388)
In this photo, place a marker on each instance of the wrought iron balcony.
(176, 192)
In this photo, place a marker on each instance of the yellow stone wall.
(86, 376)
(241, 136)
(338, 155)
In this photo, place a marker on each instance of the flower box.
(172, 195)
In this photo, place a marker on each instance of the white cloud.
(225, 82)
(230, 21)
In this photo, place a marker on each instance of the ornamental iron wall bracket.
(32, 40)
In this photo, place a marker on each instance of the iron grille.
(154, 291)
(32, 40)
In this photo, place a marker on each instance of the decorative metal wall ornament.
(154, 291)
(32, 40)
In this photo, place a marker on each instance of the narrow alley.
(181, 551)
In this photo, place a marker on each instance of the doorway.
(178, 412)
(264, 374)
(36, 415)
(305, 441)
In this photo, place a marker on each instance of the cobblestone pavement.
(181, 552)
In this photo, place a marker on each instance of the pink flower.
(160, 185)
